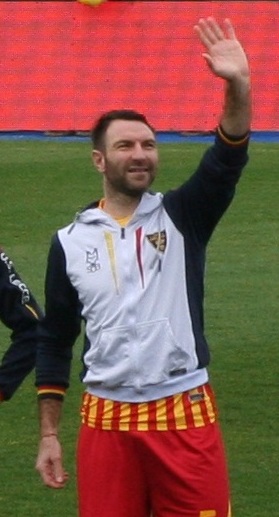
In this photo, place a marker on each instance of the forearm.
(49, 461)
(49, 414)
(237, 111)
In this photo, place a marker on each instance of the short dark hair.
(99, 129)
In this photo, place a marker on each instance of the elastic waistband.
(193, 408)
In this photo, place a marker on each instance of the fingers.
(52, 474)
(49, 464)
(52, 479)
(210, 31)
(229, 28)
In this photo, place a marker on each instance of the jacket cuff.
(53, 392)
(231, 150)
(233, 140)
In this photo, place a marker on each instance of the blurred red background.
(64, 63)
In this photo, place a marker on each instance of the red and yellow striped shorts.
(194, 408)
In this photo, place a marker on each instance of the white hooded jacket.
(139, 289)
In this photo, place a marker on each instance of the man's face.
(130, 157)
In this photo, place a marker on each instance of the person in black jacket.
(19, 312)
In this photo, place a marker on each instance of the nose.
(138, 152)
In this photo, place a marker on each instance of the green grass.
(43, 185)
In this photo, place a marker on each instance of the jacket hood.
(94, 215)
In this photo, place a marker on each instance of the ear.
(98, 160)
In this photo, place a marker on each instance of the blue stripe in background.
(162, 137)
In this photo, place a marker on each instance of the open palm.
(225, 55)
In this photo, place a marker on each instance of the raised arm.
(226, 58)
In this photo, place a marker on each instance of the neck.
(120, 205)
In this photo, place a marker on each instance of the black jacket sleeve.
(197, 206)
(19, 312)
(59, 328)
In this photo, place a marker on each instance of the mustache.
(140, 162)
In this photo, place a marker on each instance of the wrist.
(49, 435)
(241, 81)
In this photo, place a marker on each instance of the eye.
(150, 145)
(124, 145)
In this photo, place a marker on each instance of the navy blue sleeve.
(197, 206)
(59, 328)
(20, 313)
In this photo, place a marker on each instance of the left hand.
(225, 55)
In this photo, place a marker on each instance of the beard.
(121, 180)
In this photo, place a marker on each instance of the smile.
(138, 169)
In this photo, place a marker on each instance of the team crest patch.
(92, 261)
(158, 240)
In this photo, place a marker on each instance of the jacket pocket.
(142, 355)
(160, 355)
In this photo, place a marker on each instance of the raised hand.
(225, 55)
